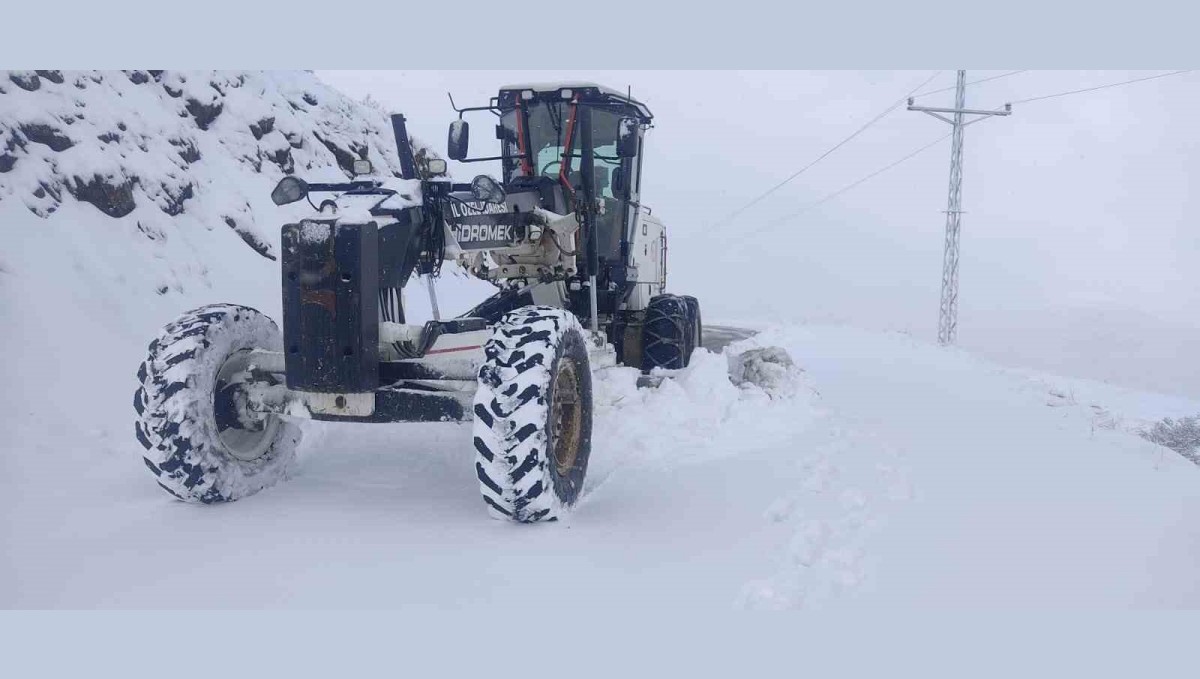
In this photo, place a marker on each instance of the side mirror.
(456, 142)
(362, 167)
(486, 189)
(627, 137)
(289, 190)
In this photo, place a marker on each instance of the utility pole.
(948, 316)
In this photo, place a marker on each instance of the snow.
(399, 332)
(898, 474)
(356, 208)
(888, 472)
(555, 86)
(977, 490)
(456, 131)
(314, 232)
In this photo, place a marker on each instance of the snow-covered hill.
(898, 473)
(154, 145)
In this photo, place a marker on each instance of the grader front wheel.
(533, 415)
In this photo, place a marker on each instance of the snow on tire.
(201, 442)
(533, 415)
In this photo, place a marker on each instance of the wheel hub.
(243, 433)
(566, 417)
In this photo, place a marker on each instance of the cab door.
(630, 196)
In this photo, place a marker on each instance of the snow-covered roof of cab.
(596, 90)
(566, 84)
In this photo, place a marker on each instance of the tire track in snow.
(851, 484)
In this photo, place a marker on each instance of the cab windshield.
(548, 123)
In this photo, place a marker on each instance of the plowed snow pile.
(693, 417)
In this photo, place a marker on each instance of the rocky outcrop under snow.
(153, 145)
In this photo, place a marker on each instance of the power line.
(1101, 87)
(973, 82)
(846, 188)
(842, 190)
(924, 148)
(837, 146)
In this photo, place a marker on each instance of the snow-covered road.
(716, 337)
(898, 473)
(965, 484)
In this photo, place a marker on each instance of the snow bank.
(696, 415)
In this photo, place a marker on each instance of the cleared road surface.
(717, 337)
